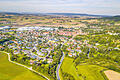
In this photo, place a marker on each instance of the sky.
(102, 7)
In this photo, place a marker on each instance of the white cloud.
(76, 6)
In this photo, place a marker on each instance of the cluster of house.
(35, 44)
(3, 36)
(112, 33)
(38, 44)
(70, 32)
(74, 47)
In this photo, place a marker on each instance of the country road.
(30, 68)
(88, 54)
(58, 67)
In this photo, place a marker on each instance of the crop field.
(112, 75)
(10, 71)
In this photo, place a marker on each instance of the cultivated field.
(10, 71)
(112, 75)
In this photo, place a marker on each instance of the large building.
(5, 27)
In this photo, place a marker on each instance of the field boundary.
(104, 75)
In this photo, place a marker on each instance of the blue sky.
(106, 7)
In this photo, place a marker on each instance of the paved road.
(88, 54)
(58, 67)
(30, 68)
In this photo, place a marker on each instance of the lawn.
(11, 71)
(68, 67)
(90, 72)
(81, 72)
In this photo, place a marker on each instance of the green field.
(10, 71)
(81, 72)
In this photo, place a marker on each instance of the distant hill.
(77, 14)
(11, 13)
(65, 14)
(114, 18)
(15, 13)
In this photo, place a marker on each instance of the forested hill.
(78, 14)
(114, 18)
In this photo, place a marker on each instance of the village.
(49, 49)
(40, 44)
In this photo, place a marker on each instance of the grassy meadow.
(81, 72)
(10, 71)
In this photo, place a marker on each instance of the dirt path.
(112, 75)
